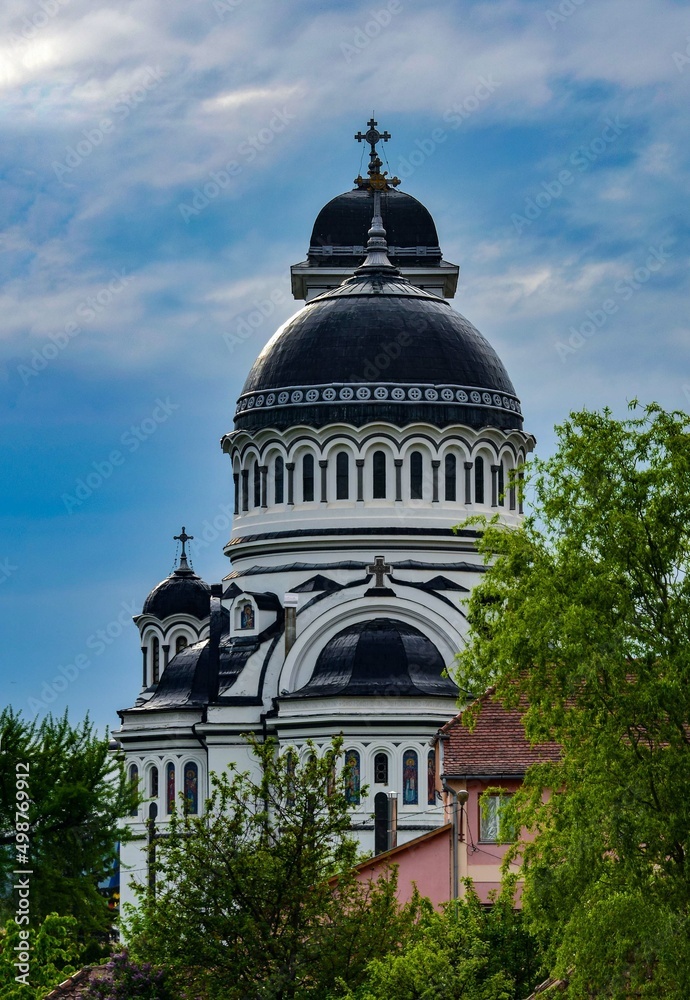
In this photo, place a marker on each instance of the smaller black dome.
(340, 230)
(382, 656)
(182, 593)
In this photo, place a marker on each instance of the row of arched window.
(410, 780)
(190, 786)
(155, 649)
(477, 482)
(410, 777)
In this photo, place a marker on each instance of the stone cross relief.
(379, 568)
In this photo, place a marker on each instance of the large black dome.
(382, 656)
(182, 593)
(378, 348)
(341, 227)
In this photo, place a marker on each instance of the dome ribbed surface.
(340, 230)
(378, 657)
(182, 593)
(378, 348)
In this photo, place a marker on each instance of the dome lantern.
(182, 593)
(337, 241)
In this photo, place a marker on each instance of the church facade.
(374, 420)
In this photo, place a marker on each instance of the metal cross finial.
(184, 538)
(377, 181)
(379, 568)
(372, 136)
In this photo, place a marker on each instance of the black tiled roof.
(378, 657)
(183, 592)
(377, 330)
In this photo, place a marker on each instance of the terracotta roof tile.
(74, 987)
(496, 745)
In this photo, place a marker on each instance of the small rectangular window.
(308, 478)
(493, 827)
(278, 480)
(342, 476)
(479, 480)
(416, 476)
(450, 464)
(379, 471)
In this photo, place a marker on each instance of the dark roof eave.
(485, 775)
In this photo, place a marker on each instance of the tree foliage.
(468, 952)
(77, 792)
(54, 954)
(257, 898)
(584, 616)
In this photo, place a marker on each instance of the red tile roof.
(496, 746)
(549, 986)
(74, 987)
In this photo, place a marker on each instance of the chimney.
(290, 602)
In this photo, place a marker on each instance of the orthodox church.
(374, 420)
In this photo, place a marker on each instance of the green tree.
(468, 952)
(62, 783)
(257, 898)
(583, 616)
(53, 951)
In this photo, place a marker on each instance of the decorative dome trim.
(335, 393)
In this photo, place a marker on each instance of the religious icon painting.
(170, 788)
(352, 766)
(247, 616)
(134, 782)
(431, 778)
(410, 778)
(191, 788)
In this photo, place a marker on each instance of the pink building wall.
(425, 861)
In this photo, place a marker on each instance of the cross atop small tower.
(183, 537)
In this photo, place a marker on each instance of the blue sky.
(549, 141)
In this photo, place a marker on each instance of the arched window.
(257, 485)
(342, 476)
(278, 474)
(479, 479)
(380, 822)
(134, 782)
(155, 661)
(379, 470)
(450, 469)
(191, 788)
(180, 643)
(353, 771)
(153, 782)
(381, 769)
(410, 778)
(416, 475)
(290, 765)
(170, 788)
(332, 779)
(431, 778)
(501, 485)
(308, 478)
